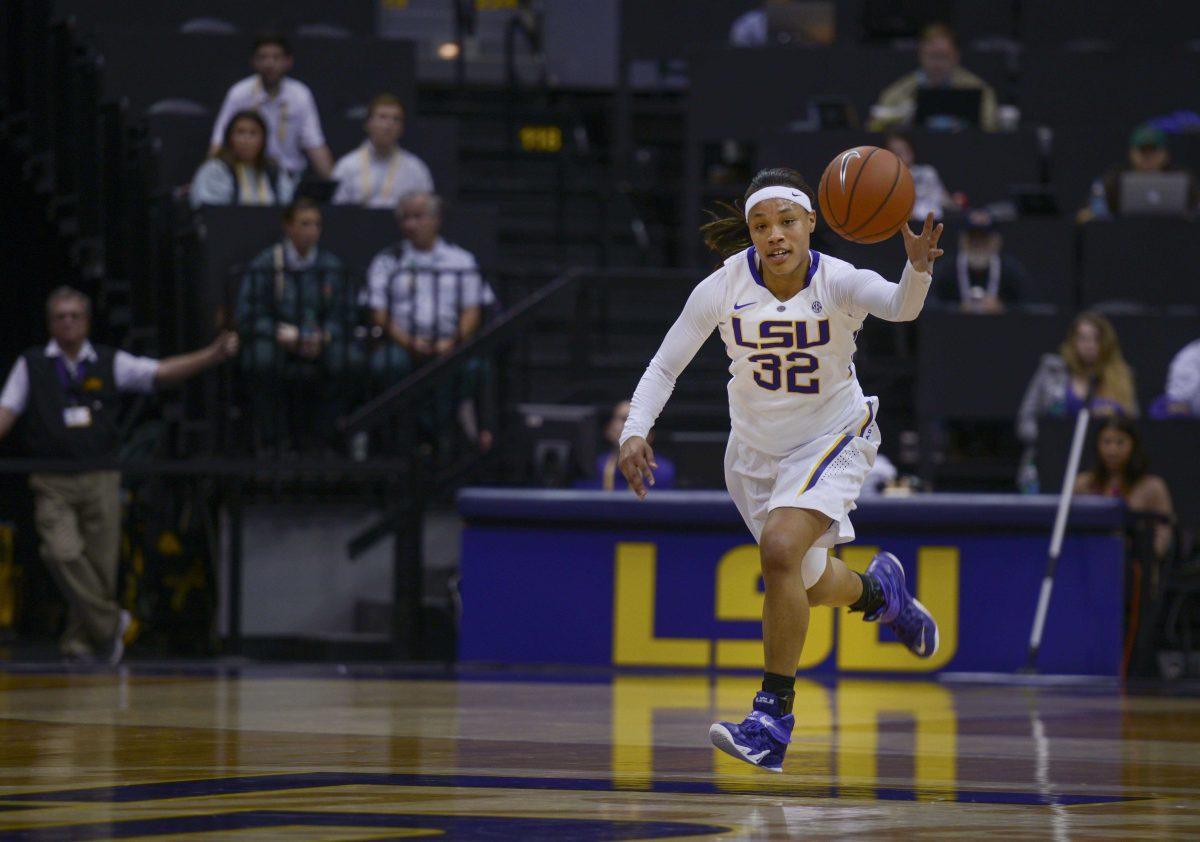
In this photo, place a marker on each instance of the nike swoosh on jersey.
(744, 306)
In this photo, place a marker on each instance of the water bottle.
(1027, 476)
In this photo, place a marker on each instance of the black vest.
(51, 392)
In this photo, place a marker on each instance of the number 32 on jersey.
(787, 365)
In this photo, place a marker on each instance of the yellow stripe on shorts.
(823, 463)
(870, 417)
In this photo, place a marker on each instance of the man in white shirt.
(379, 172)
(428, 297)
(294, 136)
(68, 392)
(426, 294)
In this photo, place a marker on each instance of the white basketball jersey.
(792, 361)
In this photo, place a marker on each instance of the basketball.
(866, 194)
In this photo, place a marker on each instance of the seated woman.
(1089, 355)
(1122, 471)
(241, 173)
(932, 196)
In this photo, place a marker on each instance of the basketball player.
(803, 434)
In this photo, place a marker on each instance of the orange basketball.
(866, 194)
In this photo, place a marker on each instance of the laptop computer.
(1153, 193)
(948, 108)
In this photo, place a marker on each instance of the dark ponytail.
(726, 233)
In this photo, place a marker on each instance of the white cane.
(1060, 528)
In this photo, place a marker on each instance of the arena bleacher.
(376, 564)
(598, 188)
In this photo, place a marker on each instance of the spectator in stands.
(296, 314)
(608, 476)
(932, 196)
(1122, 470)
(380, 171)
(938, 56)
(1148, 153)
(241, 173)
(287, 106)
(427, 298)
(1089, 361)
(980, 277)
(1183, 383)
(68, 392)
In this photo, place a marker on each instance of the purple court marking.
(453, 827)
(280, 783)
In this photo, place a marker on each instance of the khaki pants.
(79, 522)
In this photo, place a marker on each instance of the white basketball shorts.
(825, 475)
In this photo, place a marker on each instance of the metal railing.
(318, 341)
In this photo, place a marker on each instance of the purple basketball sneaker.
(901, 612)
(761, 739)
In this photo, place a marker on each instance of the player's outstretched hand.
(922, 248)
(636, 462)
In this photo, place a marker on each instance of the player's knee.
(782, 554)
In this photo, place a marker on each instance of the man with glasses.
(68, 392)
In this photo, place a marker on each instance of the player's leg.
(838, 586)
(786, 539)
(832, 487)
(762, 737)
(881, 594)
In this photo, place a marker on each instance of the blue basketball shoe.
(762, 738)
(901, 612)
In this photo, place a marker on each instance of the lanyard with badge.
(245, 186)
(281, 126)
(389, 176)
(75, 415)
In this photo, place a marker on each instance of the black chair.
(181, 140)
(355, 16)
(1141, 260)
(1087, 22)
(1081, 153)
(1125, 87)
(342, 72)
(972, 371)
(1045, 246)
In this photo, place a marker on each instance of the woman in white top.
(932, 196)
(803, 433)
(241, 173)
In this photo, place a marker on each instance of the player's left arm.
(863, 291)
(922, 249)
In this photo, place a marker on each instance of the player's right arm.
(700, 316)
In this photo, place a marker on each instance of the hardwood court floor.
(310, 753)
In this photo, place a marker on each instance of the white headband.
(778, 191)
